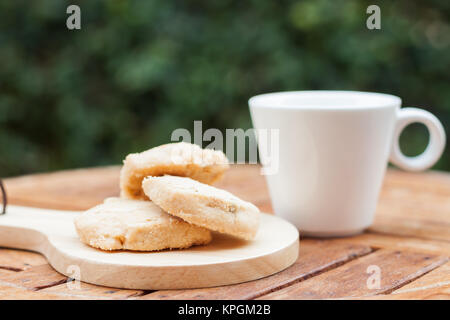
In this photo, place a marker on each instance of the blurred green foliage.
(137, 70)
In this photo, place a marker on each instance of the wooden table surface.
(409, 243)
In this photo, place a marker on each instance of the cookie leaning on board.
(169, 172)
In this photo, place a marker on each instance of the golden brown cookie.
(136, 225)
(177, 159)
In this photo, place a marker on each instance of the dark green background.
(137, 70)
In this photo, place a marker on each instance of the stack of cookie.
(167, 203)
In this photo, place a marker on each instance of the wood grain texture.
(414, 205)
(437, 293)
(65, 190)
(436, 278)
(379, 240)
(19, 260)
(88, 291)
(35, 278)
(350, 280)
(13, 293)
(315, 256)
(412, 217)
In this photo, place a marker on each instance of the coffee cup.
(333, 150)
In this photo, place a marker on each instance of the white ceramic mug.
(333, 151)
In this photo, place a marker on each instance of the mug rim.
(362, 100)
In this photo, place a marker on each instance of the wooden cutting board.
(226, 260)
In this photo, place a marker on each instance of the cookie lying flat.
(136, 225)
(177, 159)
(203, 205)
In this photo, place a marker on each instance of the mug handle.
(435, 146)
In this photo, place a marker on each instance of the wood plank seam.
(140, 294)
(432, 286)
(314, 255)
(432, 267)
(326, 268)
(435, 293)
(52, 284)
(389, 291)
(350, 280)
(63, 294)
(11, 268)
(438, 278)
(108, 294)
(13, 285)
(15, 279)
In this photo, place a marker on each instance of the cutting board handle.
(52, 233)
(29, 228)
(4, 197)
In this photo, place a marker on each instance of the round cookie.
(136, 225)
(177, 159)
(203, 205)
